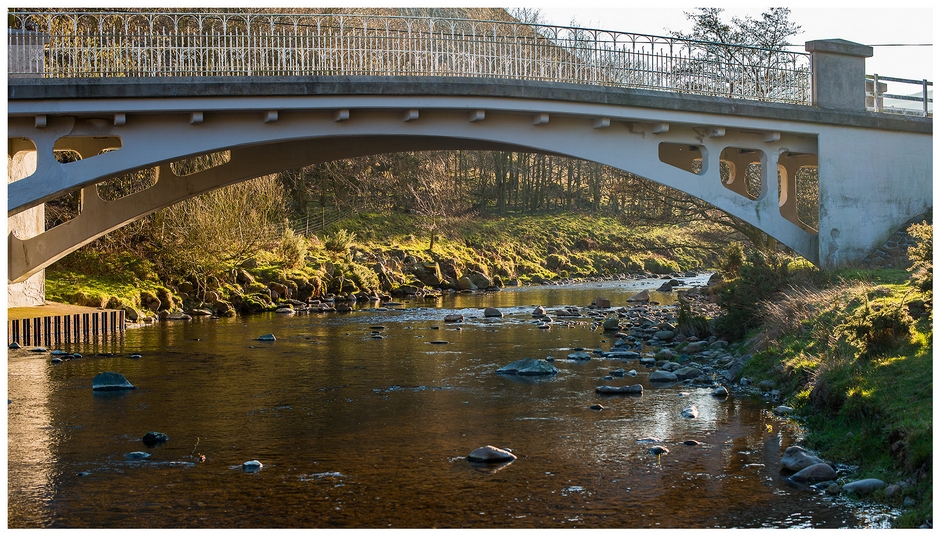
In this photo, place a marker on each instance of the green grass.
(871, 409)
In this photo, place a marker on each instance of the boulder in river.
(622, 390)
(686, 373)
(658, 450)
(579, 356)
(611, 324)
(720, 392)
(797, 458)
(453, 318)
(155, 438)
(528, 367)
(867, 485)
(490, 454)
(267, 337)
(662, 376)
(252, 466)
(819, 472)
(492, 312)
(690, 412)
(138, 455)
(642, 296)
(110, 381)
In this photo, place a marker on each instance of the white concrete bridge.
(307, 99)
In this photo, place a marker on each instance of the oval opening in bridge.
(196, 164)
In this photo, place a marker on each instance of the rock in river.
(492, 312)
(690, 412)
(252, 466)
(155, 438)
(658, 450)
(662, 376)
(867, 485)
(491, 454)
(797, 458)
(528, 367)
(110, 381)
(622, 390)
(819, 472)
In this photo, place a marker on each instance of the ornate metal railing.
(134, 44)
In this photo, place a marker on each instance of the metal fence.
(134, 44)
(875, 92)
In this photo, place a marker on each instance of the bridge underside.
(705, 155)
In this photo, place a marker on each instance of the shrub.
(759, 278)
(340, 241)
(292, 249)
(921, 254)
(877, 329)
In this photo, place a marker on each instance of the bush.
(759, 278)
(921, 254)
(877, 329)
(340, 241)
(292, 248)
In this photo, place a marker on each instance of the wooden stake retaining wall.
(65, 328)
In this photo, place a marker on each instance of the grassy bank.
(852, 352)
(377, 253)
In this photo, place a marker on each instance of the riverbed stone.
(267, 337)
(137, 455)
(528, 367)
(490, 454)
(453, 318)
(818, 472)
(686, 373)
(154, 438)
(658, 450)
(690, 412)
(665, 335)
(611, 324)
(720, 392)
(252, 466)
(640, 297)
(867, 485)
(492, 312)
(622, 390)
(797, 458)
(539, 312)
(663, 376)
(110, 381)
(579, 356)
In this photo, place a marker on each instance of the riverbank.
(852, 354)
(366, 256)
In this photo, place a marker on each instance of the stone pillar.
(25, 58)
(838, 73)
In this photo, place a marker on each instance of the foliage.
(340, 242)
(876, 329)
(221, 227)
(844, 351)
(292, 248)
(921, 254)
(750, 69)
(760, 277)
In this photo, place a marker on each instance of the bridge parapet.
(137, 44)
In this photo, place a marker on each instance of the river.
(364, 420)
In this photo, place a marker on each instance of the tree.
(748, 52)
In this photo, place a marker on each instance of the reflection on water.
(360, 420)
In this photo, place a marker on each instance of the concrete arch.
(655, 136)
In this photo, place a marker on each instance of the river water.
(365, 419)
